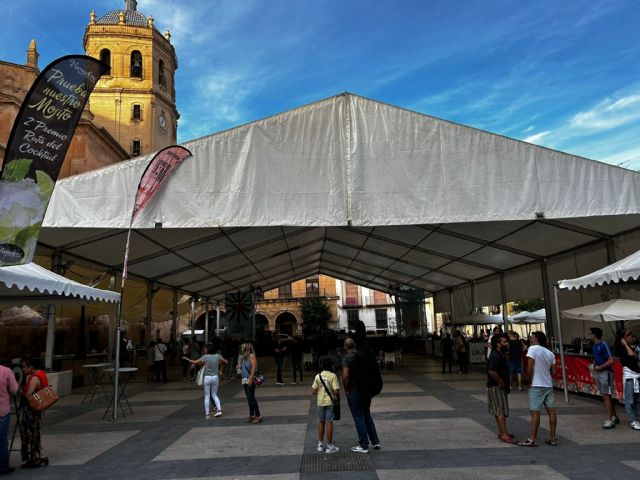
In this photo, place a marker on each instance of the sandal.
(250, 420)
(507, 439)
(528, 443)
(551, 441)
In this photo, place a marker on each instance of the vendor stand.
(572, 374)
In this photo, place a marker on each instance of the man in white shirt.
(541, 367)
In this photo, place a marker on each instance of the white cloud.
(609, 113)
(537, 137)
(628, 158)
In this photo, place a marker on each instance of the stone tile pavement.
(431, 425)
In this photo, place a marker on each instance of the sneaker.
(615, 420)
(609, 424)
(359, 449)
(377, 446)
(207, 417)
(320, 447)
(218, 414)
(280, 383)
(635, 425)
(293, 383)
(331, 448)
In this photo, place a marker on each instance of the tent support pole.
(174, 316)
(563, 364)
(148, 320)
(217, 319)
(193, 316)
(503, 297)
(116, 373)
(547, 298)
(51, 336)
(206, 323)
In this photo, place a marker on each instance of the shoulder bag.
(43, 398)
(336, 402)
(200, 376)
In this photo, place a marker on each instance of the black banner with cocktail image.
(38, 143)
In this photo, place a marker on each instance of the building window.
(137, 112)
(352, 318)
(136, 64)
(105, 56)
(284, 291)
(313, 286)
(135, 148)
(162, 77)
(381, 318)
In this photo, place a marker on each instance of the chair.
(389, 360)
(398, 356)
(307, 360)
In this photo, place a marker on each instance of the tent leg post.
(51, 336)
(117, 364)
(563, 364)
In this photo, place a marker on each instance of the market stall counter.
(579, 377)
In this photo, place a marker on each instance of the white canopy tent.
(612, 311)
(623, 270)
(33, 284)
(484, 319)
(539, 316)
(359, 190)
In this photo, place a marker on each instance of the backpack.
(366, 372)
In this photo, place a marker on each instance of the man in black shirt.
(280, 352)
(498, 386)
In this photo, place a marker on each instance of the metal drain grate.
(335, 462)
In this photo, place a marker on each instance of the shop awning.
(611, 311)
(624, 270)
(359, 190)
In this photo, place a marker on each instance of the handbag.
(200, 377)
(42, 399)
(259, 379)
(336, 402)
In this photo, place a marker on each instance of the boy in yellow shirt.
(325, 403)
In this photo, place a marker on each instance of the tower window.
(105, 56)
(137, 112)
(136, 64)
(135, 148)
(162, 76)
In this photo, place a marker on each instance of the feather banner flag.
(159, 169)
(41, 135)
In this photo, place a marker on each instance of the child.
(325, 404)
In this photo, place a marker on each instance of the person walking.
(159, 351)
(296, 359)
(195, 352)
(498, 386)
(446, 348)
(603, 375)
(515, 358)
(31, 424)
(629, 353)
(327, 389)
(249, 370)
(151, 361)
(362, 380)
(212, 363)
(461, 352)
(186, 362)
(8, 387)
(279, 351)
(541, 367)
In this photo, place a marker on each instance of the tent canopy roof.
(32, 283)
(610, 311)
(349, 187)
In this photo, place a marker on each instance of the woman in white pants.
(211, 364)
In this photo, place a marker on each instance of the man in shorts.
(603, 375)
(498, 385)
(541, 366)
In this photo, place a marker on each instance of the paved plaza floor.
(431, 426)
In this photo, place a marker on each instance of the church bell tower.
(135, 100)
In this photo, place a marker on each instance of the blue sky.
(563, 74)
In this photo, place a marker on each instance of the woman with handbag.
(31, 422)
(211, 365)
(249, 372)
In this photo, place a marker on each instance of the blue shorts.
(539, 397)
(515, 367)
(325, 414)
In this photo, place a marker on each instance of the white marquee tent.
(539, 316)
(362, 191)
(617, 310)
